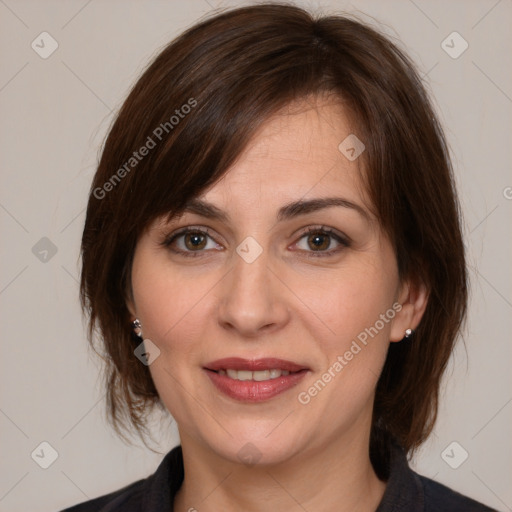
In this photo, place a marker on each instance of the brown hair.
(196, 107)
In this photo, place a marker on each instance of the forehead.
(295, 153)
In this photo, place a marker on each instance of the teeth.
(258, 376)
(262, 375)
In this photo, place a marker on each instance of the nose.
(252, 300)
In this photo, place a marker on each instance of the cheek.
(168, 302)
(342, 390)
(350, 302)
(171, 306)
(355, 315)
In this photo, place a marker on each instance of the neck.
(336, 477)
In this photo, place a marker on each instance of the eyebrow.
(286, 212)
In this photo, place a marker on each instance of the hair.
(196, 107)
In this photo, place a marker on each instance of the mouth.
(254, 380)
(258, 376)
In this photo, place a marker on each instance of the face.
(273, 323)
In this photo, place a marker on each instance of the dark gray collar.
(404, 490)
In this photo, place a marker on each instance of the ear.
(413, 298)
(130, 303)
(131, 309)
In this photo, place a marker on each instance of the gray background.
(54, 116)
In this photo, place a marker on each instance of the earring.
(408, 333)
(137, 327)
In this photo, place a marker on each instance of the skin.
(313, 456)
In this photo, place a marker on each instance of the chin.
(250, 446)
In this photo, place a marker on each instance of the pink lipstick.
(254, 380)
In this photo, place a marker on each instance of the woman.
(272, 253)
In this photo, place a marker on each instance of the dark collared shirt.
(406, 491)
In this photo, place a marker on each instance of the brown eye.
(194, 240)
(319, 242)
(190, 242)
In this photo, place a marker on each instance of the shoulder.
(128, 499)
(152, 494)
(440, 498)
(409, 491)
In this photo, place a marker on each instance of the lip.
(253, 365)
(250, 391)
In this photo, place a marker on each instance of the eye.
(192, 241)
(321, 239)
(189, 241)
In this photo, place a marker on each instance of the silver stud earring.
(408, 333)
(137, 327)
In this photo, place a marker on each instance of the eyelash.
(322, 230)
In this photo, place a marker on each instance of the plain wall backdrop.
(55, 109)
